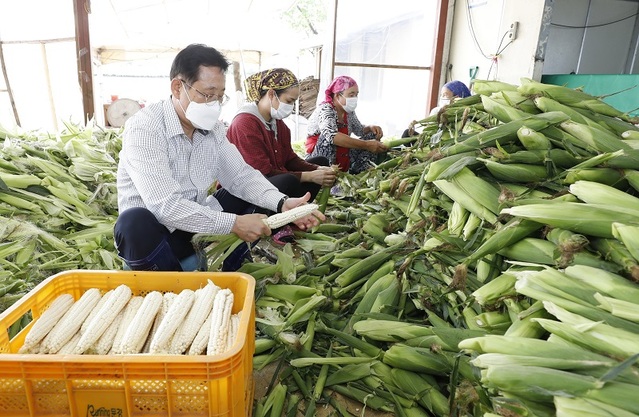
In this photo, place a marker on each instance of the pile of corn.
(119, 322)
(488, 269)
(58, 204)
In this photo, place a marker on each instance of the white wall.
(491, 20)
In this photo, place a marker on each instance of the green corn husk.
(538, 383)
(518, 101)
(426, 395)
(605, 282)
(598, 193)
(511, 232)
(582, 407)
(479, 189)
(588, 219)
(488, 360)
(364, 397)
(524, 324)
(614, 124)
(598, 139)
(569, 96)
(533, 140)
(505, 133)
(488, 268)
(348, 373)
(619, 308)
(614, 251)
(492, 291)
(516, 172)
(547, 104)
(367, 265)
(540, 251)
(370, 299)
(568, 294)
(493, 321)
(472, 224)
(606, 176)
(416, 360)
(597, 336)
(449, 166)
(629, 235)
(501, 111)
(632, 176)
(488, 87)
(630, 134)
(390, 331)
(456, 193)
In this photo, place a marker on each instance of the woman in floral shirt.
(332, 123)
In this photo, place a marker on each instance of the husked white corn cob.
(201, 309)
(130, 311)
(71, 322)
(104, 317)
(174, 317)
(93, 312)
(220, 322)
(167, 299)
(138, 330)
(289, 216)
(235, 325)
(69, 347)
(201, 340)
(104, 344)
(46, 322)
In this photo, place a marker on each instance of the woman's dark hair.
(188, 61)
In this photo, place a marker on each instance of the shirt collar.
(173, 125)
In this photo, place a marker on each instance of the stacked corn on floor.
(487, 268)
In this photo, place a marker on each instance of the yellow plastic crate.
(128, 385)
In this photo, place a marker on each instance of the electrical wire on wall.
(494, 58)
(595, 26)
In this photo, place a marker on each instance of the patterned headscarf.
(277, 79)
(338, 85)
(458, 89)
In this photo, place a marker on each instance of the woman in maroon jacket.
(264, 140)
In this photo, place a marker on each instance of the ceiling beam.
(81, 9)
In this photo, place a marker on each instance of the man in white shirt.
(173, 152)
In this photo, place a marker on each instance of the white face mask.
(202, 115)
(351, 104)
(283, 111)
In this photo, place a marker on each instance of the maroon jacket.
(262, 150)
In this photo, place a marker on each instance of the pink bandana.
(338, 85)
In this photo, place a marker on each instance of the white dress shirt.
(162, 170)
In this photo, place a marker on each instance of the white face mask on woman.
(283, 111)
(351, 104)
(202, 115)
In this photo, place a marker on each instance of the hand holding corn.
(307, 221)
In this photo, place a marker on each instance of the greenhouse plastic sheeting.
(626, 85)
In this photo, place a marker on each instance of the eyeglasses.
(208, 99)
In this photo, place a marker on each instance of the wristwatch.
(281, 203)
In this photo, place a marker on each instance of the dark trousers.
(290, 185)
(145, 244)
